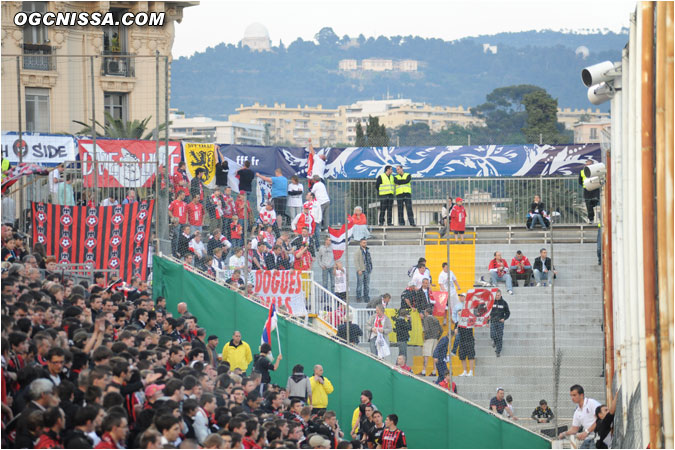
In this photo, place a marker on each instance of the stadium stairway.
(525, 367)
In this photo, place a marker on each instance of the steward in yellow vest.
(403, 182)
(385, 190)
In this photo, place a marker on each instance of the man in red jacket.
(195, 212)
(54, 421)
(178, 214)
(499, 271)
(521, 269)
(115, 428)
(458, 219)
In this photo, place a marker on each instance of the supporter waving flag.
(270, 325)
(337, 239)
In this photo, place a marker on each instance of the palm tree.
(120, 129)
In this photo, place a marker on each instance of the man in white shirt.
(584, 417)
(420, 274)
(197, 247)
(454, 285)
(321, 194)
(54, 180)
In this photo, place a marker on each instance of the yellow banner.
(201, 156)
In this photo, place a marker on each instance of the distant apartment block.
(204, 129)
(378, 65)
(331, 126)
(397, 112)
(348, 64)
(591, 132)
(570, 117)
(294, 125)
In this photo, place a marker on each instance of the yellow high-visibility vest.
(387, 186)
(403, 188)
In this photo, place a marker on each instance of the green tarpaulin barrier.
(430, 417)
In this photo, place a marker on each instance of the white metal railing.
(360, 317)
(326, 305)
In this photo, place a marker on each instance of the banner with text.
(284, 287)
(422, 162)
(201, 156)
(36, 148)
(126, 163)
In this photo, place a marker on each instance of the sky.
(213, 22)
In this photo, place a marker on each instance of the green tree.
(360, 137)
(542, 118)
(267, 136)
(120, 129)
(326, 37)
(376, 134)
(505, 114)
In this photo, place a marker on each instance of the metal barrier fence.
(488, 201)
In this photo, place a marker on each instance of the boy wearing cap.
(458, 219)
(304, 219)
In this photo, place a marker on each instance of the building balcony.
(38, 57)
(118, 64)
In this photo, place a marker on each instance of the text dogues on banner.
(284, 287)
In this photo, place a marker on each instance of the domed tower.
(257, 38)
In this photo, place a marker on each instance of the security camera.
(595, 170)
(593, 183)
(597, 73)
(600, 93)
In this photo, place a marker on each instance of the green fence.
(430, 417)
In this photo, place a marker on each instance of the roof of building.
(256, 30)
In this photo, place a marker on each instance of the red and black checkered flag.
(111, 237)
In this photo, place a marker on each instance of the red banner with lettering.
(284, 287)
(126, 163)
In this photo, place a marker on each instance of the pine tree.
(360, 137)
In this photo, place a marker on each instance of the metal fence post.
(158, 227)
(349, 320)
(22, 219)
(556, 366)
(93, 124)
(166, 142)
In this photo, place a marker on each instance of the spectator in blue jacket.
(441, 357)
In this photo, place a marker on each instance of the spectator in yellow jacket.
(321, 387)
(237, 353)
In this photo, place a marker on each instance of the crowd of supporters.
(85, 365)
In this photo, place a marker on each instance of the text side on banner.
(43, 149)
(284, 287)
(126, 163)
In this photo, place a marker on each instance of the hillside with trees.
(215, 82)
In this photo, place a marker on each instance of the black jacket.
(538, 206)
(402, 329)
(77, 439)
(195, 190)
(500, 310)
(354, 332)
(539, 266)
(246, 177)
(277, 262)
(222, 170)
